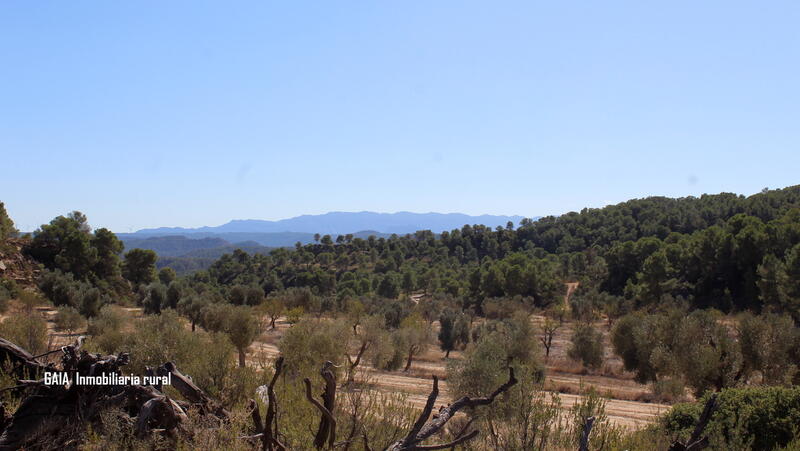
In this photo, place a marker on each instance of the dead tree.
(327, 423)
(192, 392)
(23, 362)
(424, 428)
(47, 410)
(587, 429)
(695, 442)
(550, 327)
(267, 430)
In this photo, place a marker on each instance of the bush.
(587, 346)
(481, 371)
(69, 319)
(669, 389)
(60, 288)
(106, 328)
(293, 315)
(28, 330)
(110, 318)
(5, 295)
(764, 418)
(157, 339)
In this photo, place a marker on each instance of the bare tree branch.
(429, 428)
(325, 412)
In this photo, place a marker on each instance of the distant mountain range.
(188, 249)
(336, 223)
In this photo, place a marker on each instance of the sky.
(191, 113)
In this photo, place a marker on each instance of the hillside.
(15, 265)
(625, 300)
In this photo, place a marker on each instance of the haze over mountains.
(336, 223)
(187, 249)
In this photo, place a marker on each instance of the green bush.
(69, 319)
(587, 346)
(5, 295)
(27, 329)
(156, 339)
(763, 418)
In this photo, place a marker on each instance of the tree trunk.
(241, 358)
(447, 354)
(194, 324)
(351, 369)
(410, 357)
(272, 322)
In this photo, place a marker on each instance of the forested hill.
(725, 251)
(653, 216)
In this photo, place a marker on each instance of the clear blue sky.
(189, 113)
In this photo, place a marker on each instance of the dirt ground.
(623, 406)
(562, 376)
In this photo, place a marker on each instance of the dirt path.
(571, 287)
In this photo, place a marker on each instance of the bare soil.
(624, 406)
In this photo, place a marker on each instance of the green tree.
(416, 337)
(242, 328)
(140, 266)
(789, 283)
(6, 224)
(770, 345)
(409, 282)
(65, 244)
(769, 282)
(309, 343)
(155, 298)
(389, 286)
(483, 365)
(447, 331)
(587, 346)
(634, 338)
(273, 307)
(166, 275)
(373, 341)
(175, 291)
(192, 307)
(355, 313)
(108, 246)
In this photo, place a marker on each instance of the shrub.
(60, 288)
(106, 328)
(69, 319)
(587, 346)
(669, 389)
(110, 318)
(91, 299)
(28, 330)
(293, 315)
(764, 418)
(156, 339)
(5, 295)
(482, 369)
